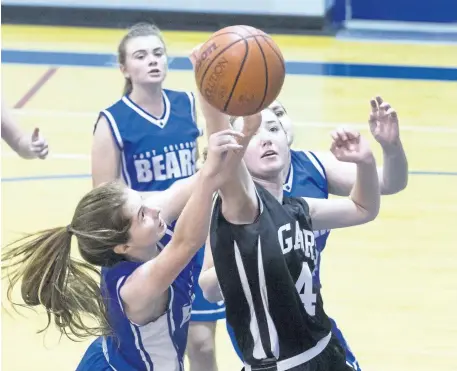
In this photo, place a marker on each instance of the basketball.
(240, 70)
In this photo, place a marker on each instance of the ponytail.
(65, 287)
(128, 87)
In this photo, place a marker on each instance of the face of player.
(147, 228)
(146, 60)
(268, 152)
(286, 122)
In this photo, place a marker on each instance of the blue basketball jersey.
(306, 178)
(158, 345)
(155, 151)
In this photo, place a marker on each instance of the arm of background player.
(106, 155)
(341, 176)
(363, 203)
(172, 200)
(26, 145)
(208, 280)
(239, 200)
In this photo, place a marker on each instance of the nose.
(265, 142)
(152, 60)
(154, 212)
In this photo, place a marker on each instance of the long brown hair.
(66, 287)
(137, 30)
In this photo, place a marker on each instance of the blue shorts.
(203, 310)
(350, 357)
(94, 358)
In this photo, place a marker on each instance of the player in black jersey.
(261, 251)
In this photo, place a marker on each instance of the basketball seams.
(215, 58)
(235, 101)
(266, 73)
(227, 33)
(238, 74)
(281, 59)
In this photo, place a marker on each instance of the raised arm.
(363, 203)
(106, 154)
(146, 286)
(172, 200)
(393, 175)
(239, 200)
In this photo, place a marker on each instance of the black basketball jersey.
(265, 274)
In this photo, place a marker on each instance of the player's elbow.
(369, 213)
(394, 188)
(210, 286)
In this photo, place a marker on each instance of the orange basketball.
(240, 70)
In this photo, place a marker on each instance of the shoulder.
(178, 95)
(114, 106)
(311, 159)
(115, 276)
(297, 204)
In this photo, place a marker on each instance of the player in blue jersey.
(149, 140)
(318, 174)
(143, 306)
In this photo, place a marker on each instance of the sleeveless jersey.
(158, 345)
(155, 151)
(265, 275)
(307, 178)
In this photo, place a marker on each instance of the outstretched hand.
(349, 146)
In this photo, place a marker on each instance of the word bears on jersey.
(176, 161)
(297, 239)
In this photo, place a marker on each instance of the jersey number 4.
(304, 286)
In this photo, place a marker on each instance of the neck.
(274, 186)
(149, 97)
(144, 255)
(287, 167)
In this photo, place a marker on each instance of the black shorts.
(332, 358)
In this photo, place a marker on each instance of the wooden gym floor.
(391, 285)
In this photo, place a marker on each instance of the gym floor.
(391, 284)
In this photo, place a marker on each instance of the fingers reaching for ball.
(349, 146)
(252, 124)
(194, 54)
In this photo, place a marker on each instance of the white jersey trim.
(117, 134)
(258, 352)
(114, 128)
(120, 282)
(299, 359)
(160, 122)
(312, 157)
(290, 179)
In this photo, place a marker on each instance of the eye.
(274, 129)
(279, 113)
(141, 214)
(159, 53)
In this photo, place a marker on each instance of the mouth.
(269, 153)
(154, 71)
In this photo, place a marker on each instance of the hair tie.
(69, 231)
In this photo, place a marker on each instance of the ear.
(121, 249)
(124, 71)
